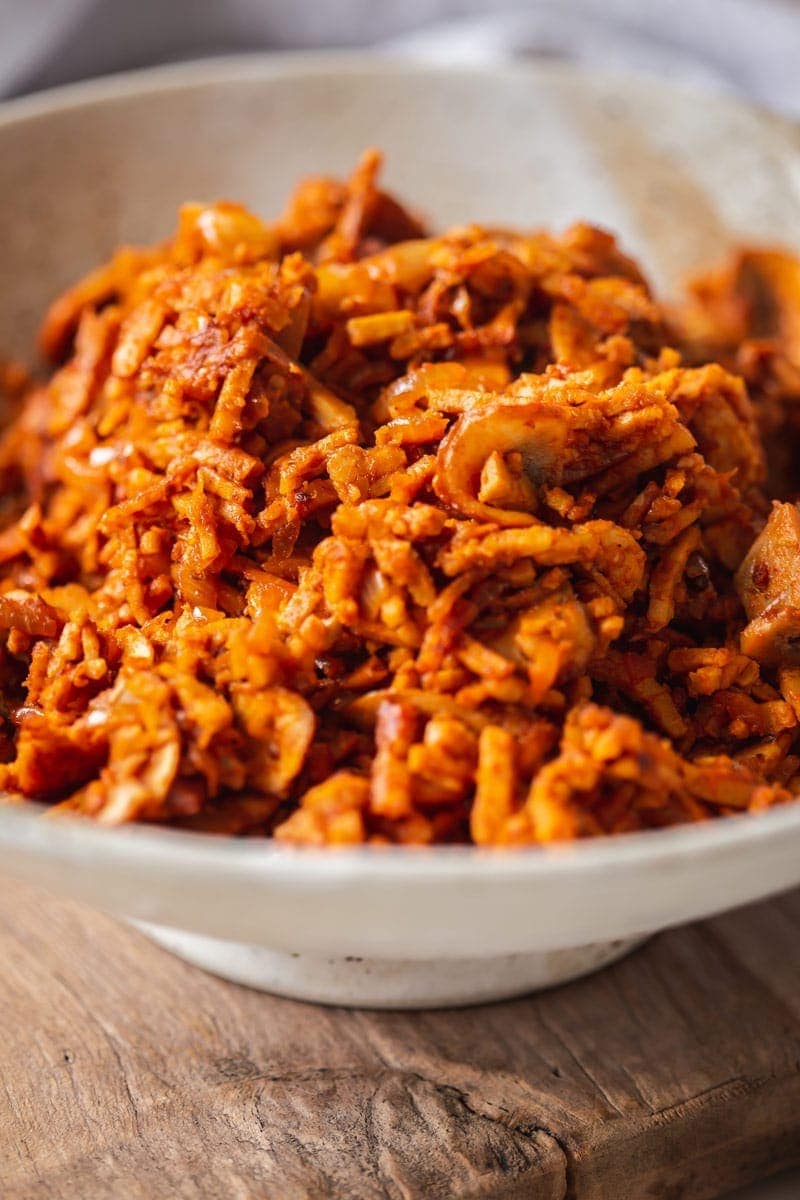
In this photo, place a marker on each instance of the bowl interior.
(86, 168)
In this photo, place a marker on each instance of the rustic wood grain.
(126, 1074)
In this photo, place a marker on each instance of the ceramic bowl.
(681, 177)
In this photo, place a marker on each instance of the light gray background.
(751, 45)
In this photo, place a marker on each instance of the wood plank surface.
(127, 1075)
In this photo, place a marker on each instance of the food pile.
(336, 531)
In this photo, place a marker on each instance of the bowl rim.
(24, 828)
(270, 65)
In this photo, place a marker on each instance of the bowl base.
(383, 982)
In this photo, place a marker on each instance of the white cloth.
(747, 45)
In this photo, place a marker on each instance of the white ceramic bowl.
(681, 177)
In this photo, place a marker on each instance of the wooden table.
(128, 1075)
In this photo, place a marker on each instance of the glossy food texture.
(338, 531)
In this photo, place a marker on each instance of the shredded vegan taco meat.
(336, 531)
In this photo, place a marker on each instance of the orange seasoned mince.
(336, 531)
(746, 315)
